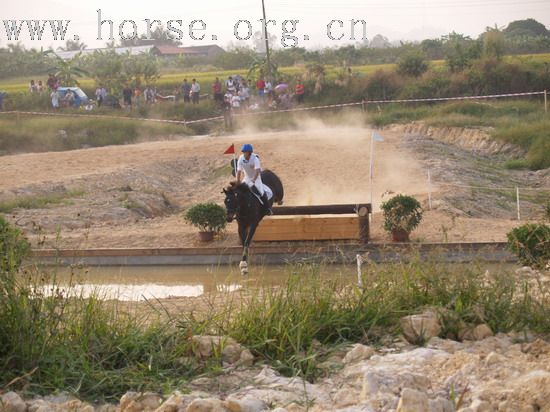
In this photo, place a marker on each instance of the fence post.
(359, 259)
(545, 102)
(429, 190)
(517, 202)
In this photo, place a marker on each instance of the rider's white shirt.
(249, 168)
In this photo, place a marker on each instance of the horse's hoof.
(244, 267)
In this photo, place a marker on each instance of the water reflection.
(137, 283)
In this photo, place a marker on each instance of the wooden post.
(545, 102)
(429, 190)
(517, 202)
(363, 208)
(359, 259)
(364, 224)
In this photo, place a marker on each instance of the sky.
(395, 19)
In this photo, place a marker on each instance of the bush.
(13, 248)
(401, 212)
(531, 243)
(412, 64)
(208, 217)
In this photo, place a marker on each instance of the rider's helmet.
(247, 148)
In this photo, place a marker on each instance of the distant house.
(161, 51)
(209, 50)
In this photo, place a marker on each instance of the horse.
(241, 204)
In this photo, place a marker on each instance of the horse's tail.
(272, 180)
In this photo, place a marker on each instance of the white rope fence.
(363, 103)
(515, 189)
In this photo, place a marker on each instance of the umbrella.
(281, 87)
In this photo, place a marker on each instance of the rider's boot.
(267, 208)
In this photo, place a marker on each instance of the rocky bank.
(497, 373)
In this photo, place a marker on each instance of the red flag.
(230, 150)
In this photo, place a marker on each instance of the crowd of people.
(234, 95)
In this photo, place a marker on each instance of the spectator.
(227, 116)
(2, 95)
(127, 96)
(244, 94)
(186, 90)
(33, 87)
(268, 88)
(137, 96)
(195, 91)
(230, 85)
(217, 91)
(260, 87)
(299, 91)
(235, 103)
(98, 96)
(55, 99)
(40, 86)
(52, 82)
(68, 99)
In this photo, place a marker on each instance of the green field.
(171, 80)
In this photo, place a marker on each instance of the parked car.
(80, 98)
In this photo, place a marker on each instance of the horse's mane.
(237, 187)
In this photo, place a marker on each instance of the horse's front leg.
(242, 233)
(244, 262)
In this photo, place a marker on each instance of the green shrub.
(412, 64)
(13, 248)
(401, 212)
(531, 243)
(208, 217)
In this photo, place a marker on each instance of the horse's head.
(233, 193)
(230, 203)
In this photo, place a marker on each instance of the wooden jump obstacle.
(326, 222)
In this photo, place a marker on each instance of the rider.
(249, 170)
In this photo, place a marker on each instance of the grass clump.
(82, 345)
(39, 201)
(94, 350)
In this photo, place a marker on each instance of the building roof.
(165, 50)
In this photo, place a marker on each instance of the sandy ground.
(318, 165)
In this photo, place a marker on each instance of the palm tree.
(258, 69)
(316, 71)
(71, 45)
(67, 70)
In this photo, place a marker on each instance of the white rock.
(481, 332)
(413, 401)
(371, 385)
(171, 404)
(208, 345)
(422, 327)
(441, 405)
(345, 397)
(206, 405)
(245, 405)
(494, 358)
(481, 406)
(12, 402)
(246, 358)
(358, 353)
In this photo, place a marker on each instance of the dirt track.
(132, 194)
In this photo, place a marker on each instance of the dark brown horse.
(245, 207)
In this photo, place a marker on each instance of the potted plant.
(209, 218)
(402, 214)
